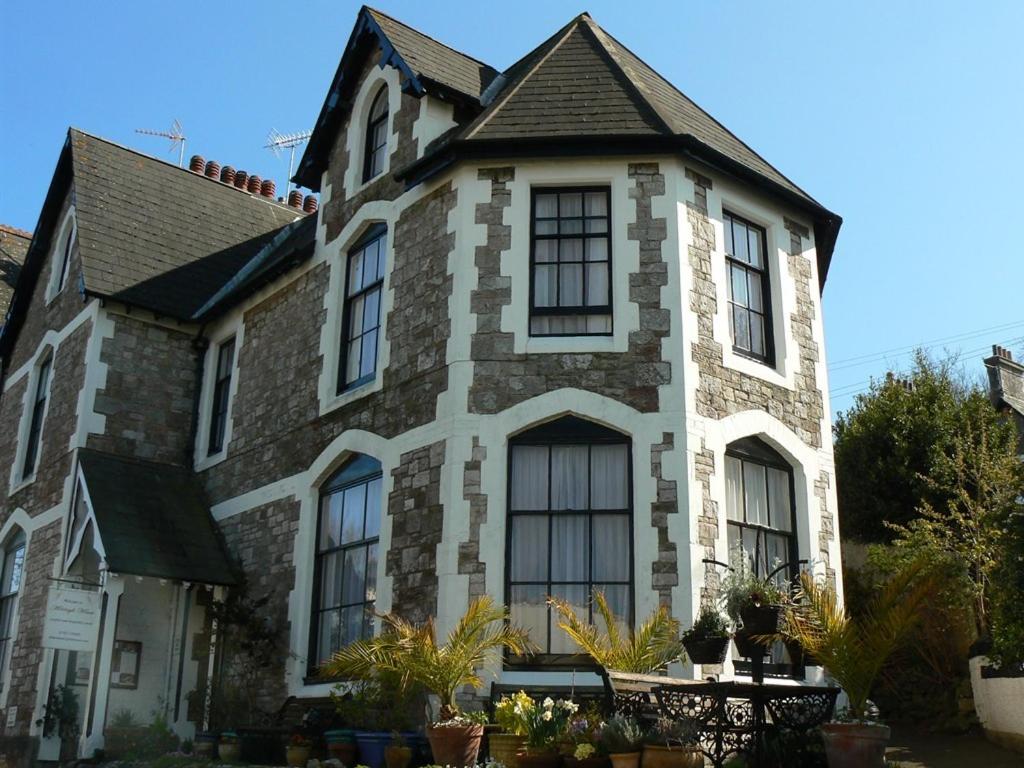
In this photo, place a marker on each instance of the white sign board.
(71, 619)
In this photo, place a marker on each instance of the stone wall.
(664, 569)
(827, 532)
(149, 395)
(503, 378)
(262, 540)
(470, 563)
(417, 518)
(707, 519)
(724, 391)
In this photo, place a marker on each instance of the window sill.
(554, 344)
(211, 460)
(759, 369)
(352, 394)
(22, 484)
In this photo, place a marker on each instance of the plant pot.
(625, 759)
(746, 645)
(371, 747)
(457, 745)
(504, 747)
(205, 745)
(855, 745)
(262, 745)
(657, 756)
(297, 755)
(761, 619)
(345, 751)
(707, 650)
(229, 753)
(539, 760)
(597, 761)
(397, 757)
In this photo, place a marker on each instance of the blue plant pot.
(371, 747)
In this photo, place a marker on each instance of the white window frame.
(17, 481)
(5, 658)
(355, 138)
(60, 270)
(202, 459)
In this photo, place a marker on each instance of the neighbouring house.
(13, 247)
(552, 329)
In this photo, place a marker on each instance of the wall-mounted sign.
(71, 619)
(124, 666)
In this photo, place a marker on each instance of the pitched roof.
(14, 244)
(427, 66)
(157, 236)
(153, 520)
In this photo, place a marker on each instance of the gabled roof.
(427, 66)
(157, 236)
(14, 244)
(153, 520)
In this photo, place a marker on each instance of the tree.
(887, 443)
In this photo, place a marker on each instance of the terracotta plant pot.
(707, 650)
(855, 745)
(597, 761)
(504, 747)
(455, 746)
(345, 751)
(297, 755)
(539, 759)
(657, 756)
(205, 745)
(397, 757)
(625, 760)
(229, 753)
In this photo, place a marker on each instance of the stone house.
(552, 329)
(13, 246)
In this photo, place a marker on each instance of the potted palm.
(412, 652)
(707, 641)
(546, 725)
(510, 714)
(651, 647)
(622, 738)
(853, 652)
(672, 744)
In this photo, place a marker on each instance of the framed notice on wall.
(124, 665)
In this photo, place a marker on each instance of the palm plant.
(411, 651)
(647, 649)
(854, 650)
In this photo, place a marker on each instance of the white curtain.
(778, 499)
(609, 481)
(733, 489)
(529, 477)
(569, 548)
(529, 557)
(569, 477)
(755, 494)
(611, 547)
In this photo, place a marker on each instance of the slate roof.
(14, 244)
(160, 237)
(153, 520)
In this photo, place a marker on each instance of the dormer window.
(61, 262)
(376, 136)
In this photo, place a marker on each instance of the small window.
(570, 262)
(221, 396)
(376, 136)
(61, 261)
(345, 580)
(750, 318)
(364, 281)
(11, 569)
(569, 528)
(35, 429)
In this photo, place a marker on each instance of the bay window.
(569, 527)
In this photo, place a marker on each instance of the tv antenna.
(175, 135)
(277, 141)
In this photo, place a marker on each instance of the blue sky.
(904, 117)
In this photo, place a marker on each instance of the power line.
(853, 362)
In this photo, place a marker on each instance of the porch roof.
(153, 520)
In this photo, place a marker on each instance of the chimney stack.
(197, 164)
(309, 205)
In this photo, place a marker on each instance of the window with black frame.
(760, 518)
(569, 529)
(35, 429)
(570, 262)
(10, 583)
(750, 319)
(364, 282)
(376, 136)
(221, 396)
(345, 590)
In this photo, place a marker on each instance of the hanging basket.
(707, 650)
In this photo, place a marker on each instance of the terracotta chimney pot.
(227, 174)
(241, 178)
(268, 188)
(310, 204)
(254, 184)
(197, 164)
(213, 169)
(295, 199)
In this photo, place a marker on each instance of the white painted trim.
(87, 420)
(18, 482)
(18, 519)
(435, 118)
(53, 339)
(232, 326)
(57, 281)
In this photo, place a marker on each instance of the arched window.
(569, 527)
(345, 586)
(41, 393)
(759, 507)
(376, 136)
(11, 568)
